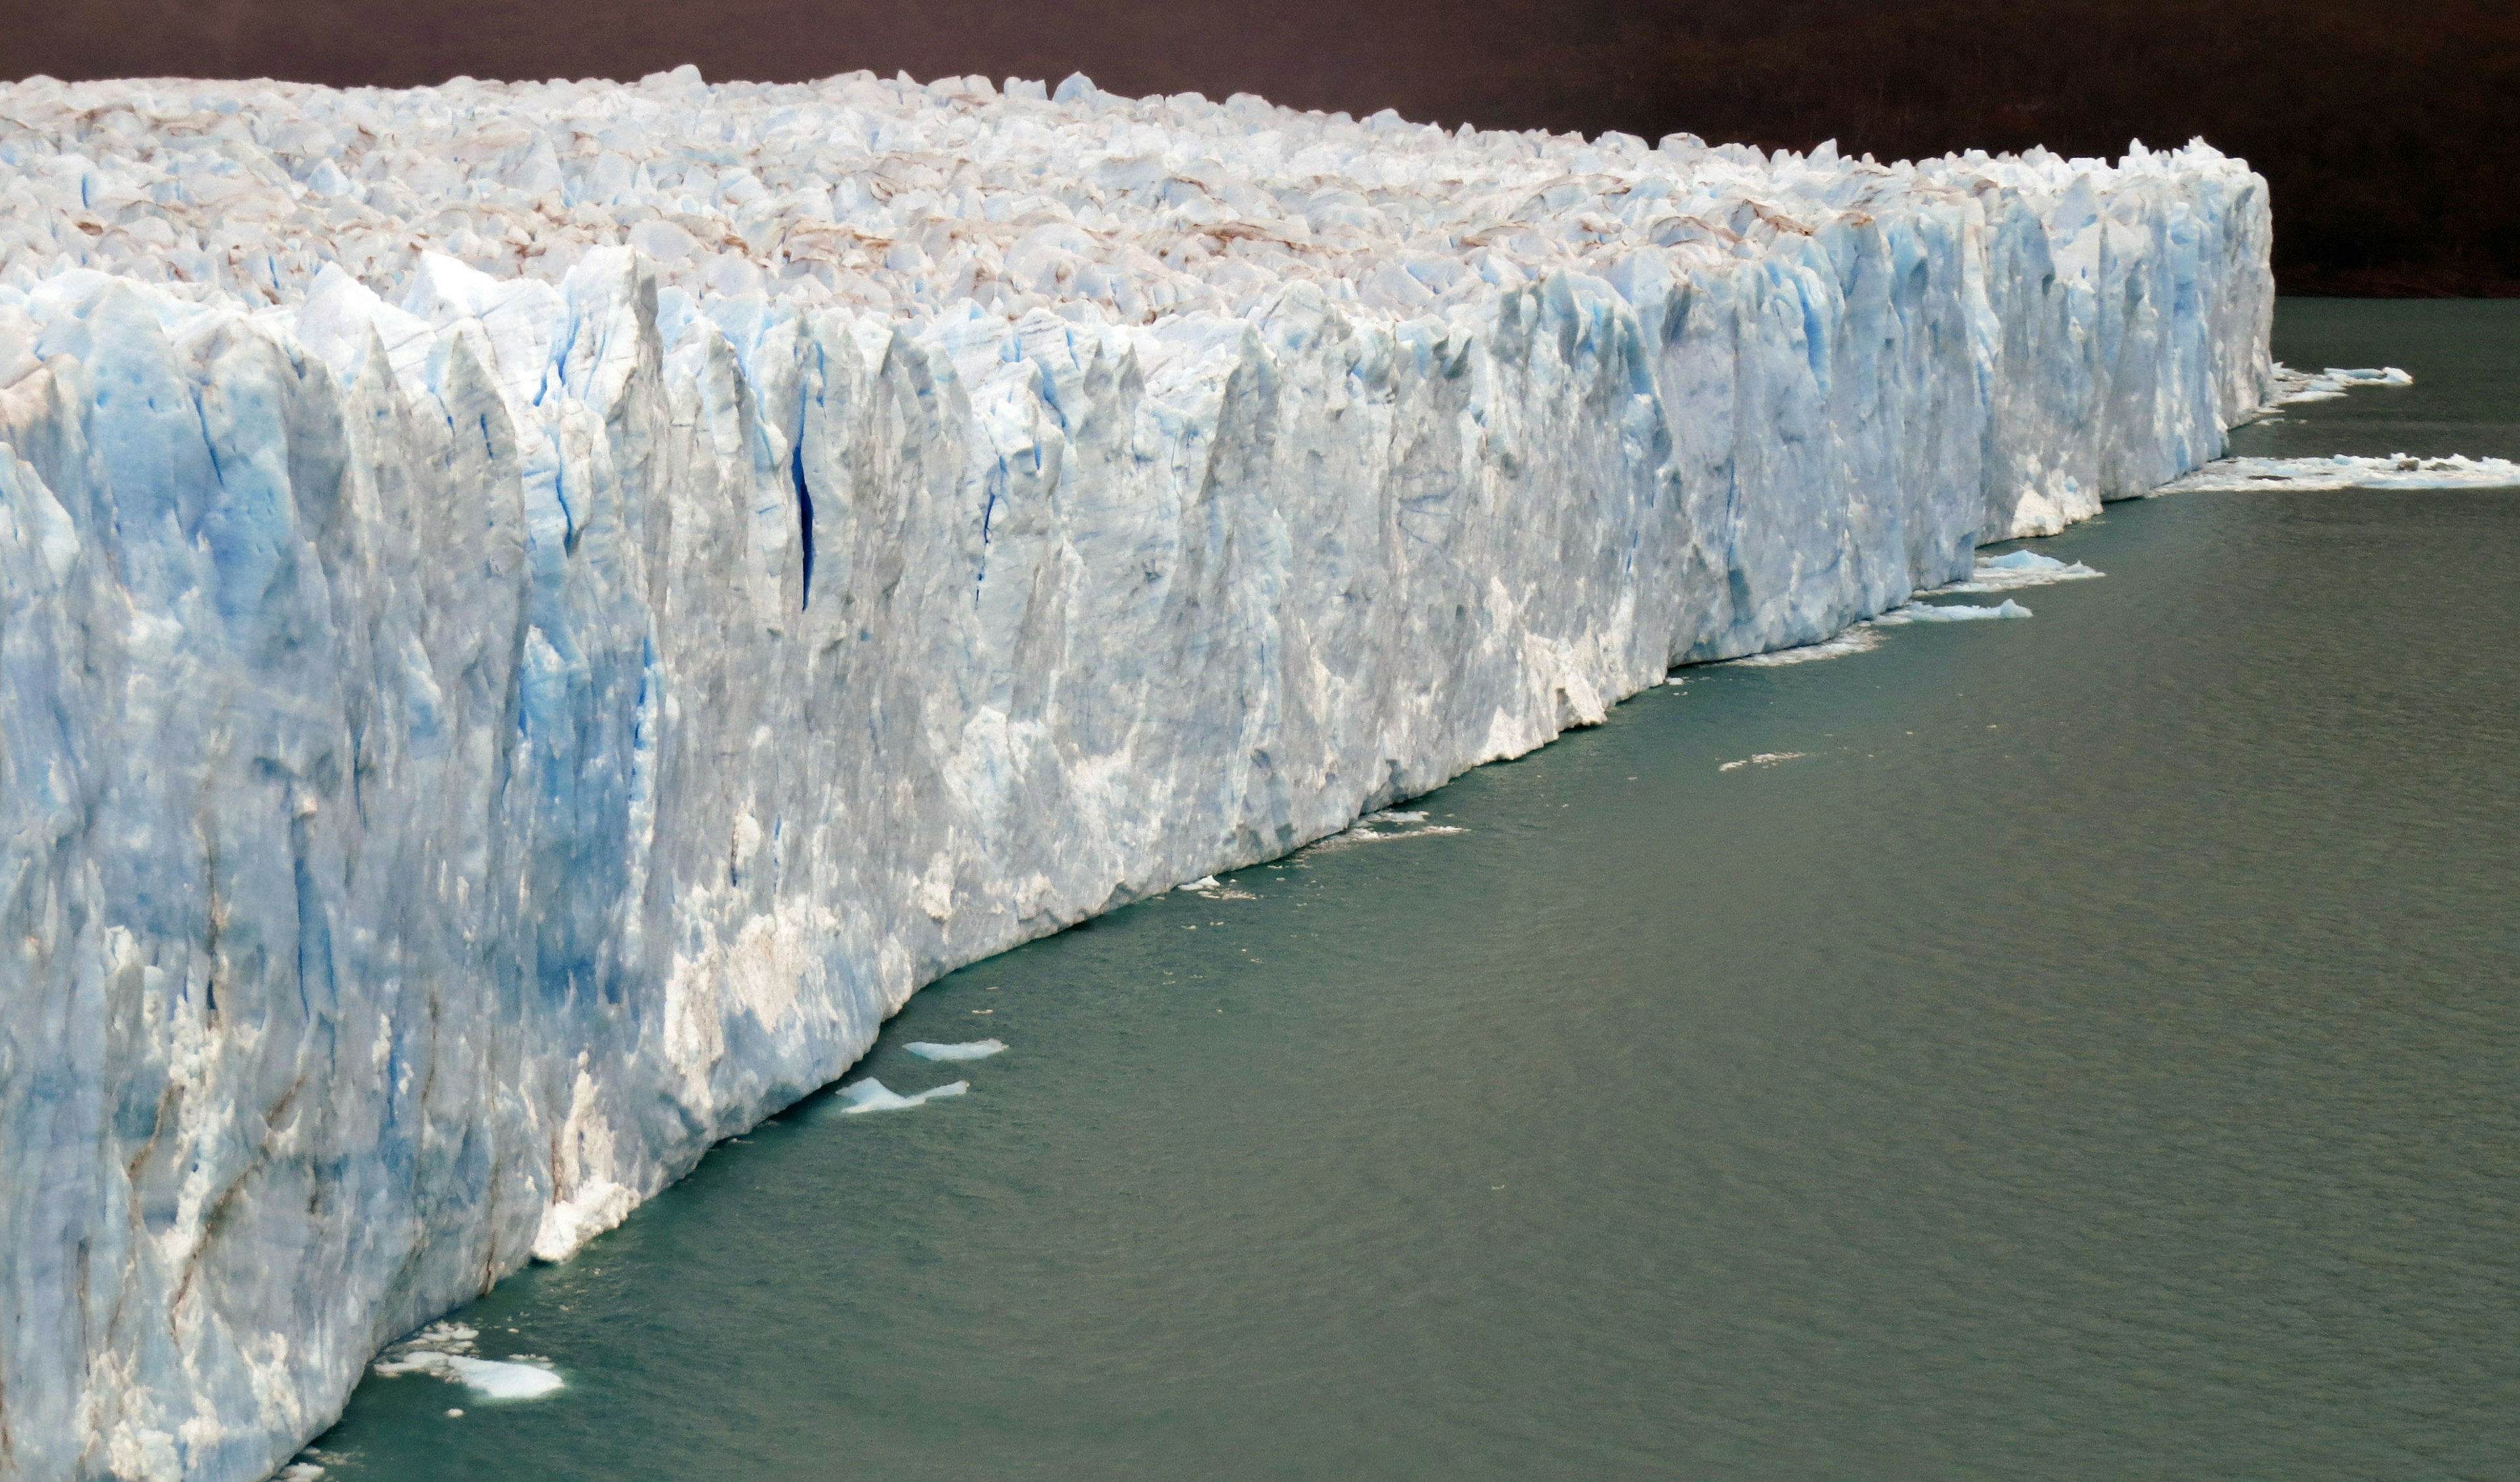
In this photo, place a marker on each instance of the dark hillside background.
(2388, 132)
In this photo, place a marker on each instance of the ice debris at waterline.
(1763, 759)
(1998, 575)
(1949, 612)
(1392, 824)
(445, 1350)
(873, 1096)
(533, 616)
(1857, 638)
(974, 1049)
(2291, 385)
(2016, 570)
(2316, 475)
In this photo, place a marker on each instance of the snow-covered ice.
(969, 1050)
(534, 616)
(871, 1095)
(2315, 474)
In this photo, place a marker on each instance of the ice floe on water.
(1390, 824)
(497, 1379)
(1948, 612)
(1859, 639)
(975, 1050)
(444, 1349)
(1865, 636)
(1763, 759)
(1209, 887)
(2016, 569)
(2294, 387)
(871, 1095)
(2398, 470)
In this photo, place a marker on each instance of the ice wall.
(532, 617)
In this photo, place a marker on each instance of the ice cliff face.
(532, 617)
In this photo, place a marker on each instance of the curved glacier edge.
(430, 815)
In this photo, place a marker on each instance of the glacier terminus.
(534, 616)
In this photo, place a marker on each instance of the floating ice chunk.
(974, 1049)
(873, 1096)
(2020, 568)
(2398, 470)
(1764, 759)
(2016, 569)
(495, 1379)
(444, 1351)
(1380, 827)
(2293, 386)
(1859, 639)
(1930, 613)
(1203, 883)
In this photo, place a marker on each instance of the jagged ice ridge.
(532, 617)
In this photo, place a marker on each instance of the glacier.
(534, 616)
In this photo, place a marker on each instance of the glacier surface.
(534, 616)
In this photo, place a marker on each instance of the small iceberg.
(2293, 386)
(2020, 568)
(871, 1095)
(975, 1050)
(444, 1351)
(1859, 639)
(2016, 569)
(1928, 613)
(1388, 824)
(497, 1379)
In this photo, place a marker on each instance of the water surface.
(2092, 1055)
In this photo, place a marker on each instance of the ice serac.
(532, 617)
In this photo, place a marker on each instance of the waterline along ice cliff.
(532, 617)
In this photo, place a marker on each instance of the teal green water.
(2093, 1057)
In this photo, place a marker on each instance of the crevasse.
(532, 617)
